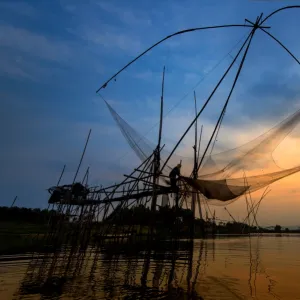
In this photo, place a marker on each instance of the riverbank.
(20, 237)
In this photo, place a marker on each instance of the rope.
(219, 127)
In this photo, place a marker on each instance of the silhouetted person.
(174, 174)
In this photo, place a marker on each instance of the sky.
(54, 55)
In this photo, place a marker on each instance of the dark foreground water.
(265, 267)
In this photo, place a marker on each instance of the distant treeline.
(165, 217)
(141, 215)
(22, 214)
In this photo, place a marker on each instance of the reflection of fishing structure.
(140, 207)
(168, 270)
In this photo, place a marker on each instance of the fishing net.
(142, 147)
(255, 155)
(226, 176)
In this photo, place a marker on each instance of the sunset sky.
(56, 54)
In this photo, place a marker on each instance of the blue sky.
(55, 54)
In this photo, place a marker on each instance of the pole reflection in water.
(222, 268)
(144, 270)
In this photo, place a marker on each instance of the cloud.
(33, 44)
(70, 8)
(191, 77)
(11, 68)
(273, 96)
(22, 67)
(99, 26)
(128, 17)
(19, 7)
(145, 75)
(111, 39)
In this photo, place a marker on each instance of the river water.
(265, 267)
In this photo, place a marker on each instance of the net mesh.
(226, 176)
(142, 147)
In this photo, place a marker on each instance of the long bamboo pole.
(168, 37)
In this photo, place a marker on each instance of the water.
(266, 267)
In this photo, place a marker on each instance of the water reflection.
(232, 268)
(157, 270)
